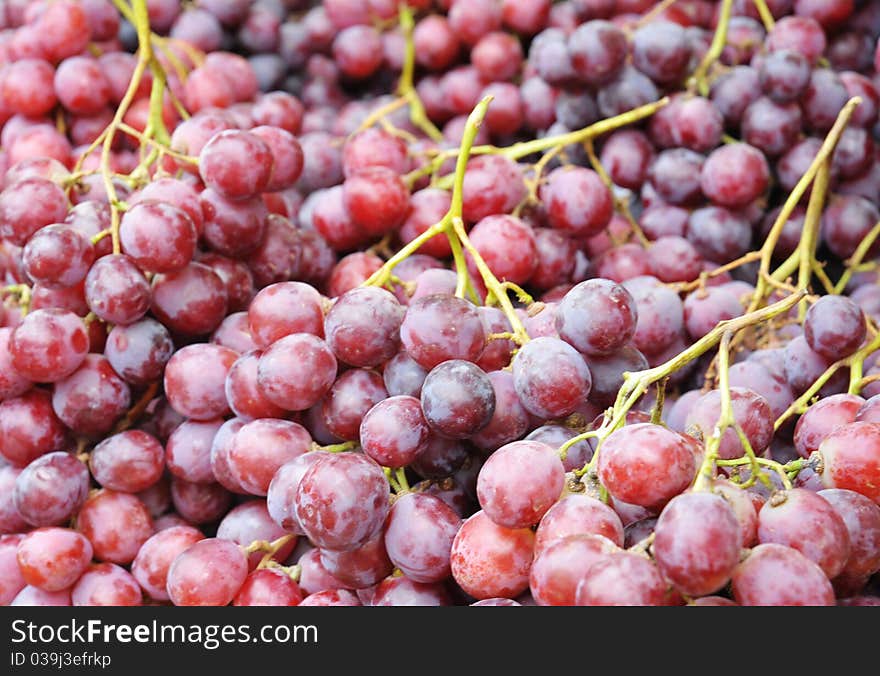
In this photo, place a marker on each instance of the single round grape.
(281, 309)
(91, 399)
(116, 290)
(52, 559)
(597, 50)
(279, 109)
(674, 259)
(622, 579)
(862, 520)
(394, 432)
(550, 377)
(661, 51)
(376, 199)
(352, 271)
(497, 56)
(775, 575)
(51, 490)
(159, 237)
(342, 501)
(402, 375)
(29, 428)
(556, 256)
(784, 75)
(457, 399)
(106, 584)
(488, 560)
(675, 175)
(735, 175)
(296, 371)
(519, 483)
(58, 254)
(578, 514)
(697, 542)
(116, 524)
(801, 34)
(154, 558)
(27, 87)
(493, 184)
(268, 587)
(237, 164)
(645, 464)
(130, 461)
(199, 503)
(559, 567)
(48, 345)
(597, 317)
(577, 202)
(188, 450)
(854, 154)
(373, 147)
(190, 301)
(208, 573)
(358, 51)
(438, 328)
(419, 535)
(834, 327)
(195, 379)
(800, 519)
(233, 228)
(507, 245)
(363, 327)
(261, 447)
(705, 308)
(138, 352)
(659, 312)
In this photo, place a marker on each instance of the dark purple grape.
(457, 399)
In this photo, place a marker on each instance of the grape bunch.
(439, 302)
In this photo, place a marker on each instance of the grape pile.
(439, 302)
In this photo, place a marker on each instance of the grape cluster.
(439, 302)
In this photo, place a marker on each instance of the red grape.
(342, 500)
(775, 575)
(489, 560)
(208, 573)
